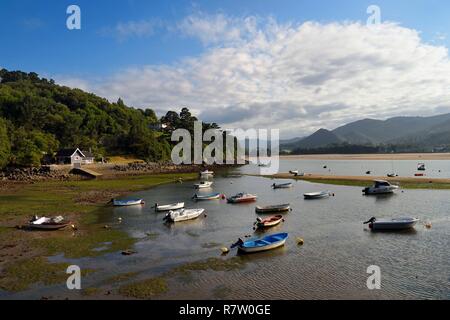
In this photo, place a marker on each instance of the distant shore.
(389, 156)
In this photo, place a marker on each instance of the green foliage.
(5, 145)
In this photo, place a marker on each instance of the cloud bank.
(255, 72)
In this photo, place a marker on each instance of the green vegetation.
(37, 117)
(145, 289)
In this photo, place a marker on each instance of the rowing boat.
(168, 207)
(126, 203)
(183, 214)
(242, 197)
(391, 224)
(317, 195)
(275, 208)
(268, 222)
(45, 223)
(267, 243)
(282, 185)
(212, 196)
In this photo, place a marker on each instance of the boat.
(268, 222)
(242, 197)
(183, 214)
(368, 172)
(206, 173)
(269, 242)
(276, 208)
(203, 184)
(126, 203)
(391, 224)
(168, 207)
(419, 175)
(263, 165)
(421, 167)
(282, 185)
(317, 195)
(212, 196)
(44, 223)
(392, 175)
(380, 187)
(294, 172)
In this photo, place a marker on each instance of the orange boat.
(269, 222)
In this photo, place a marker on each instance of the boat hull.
(268, 223)
(271, 209)
(253, 247)
(184, 215)
(208, 197)
(127, 203)
(394, 224)
(48, 226)
(314, 196)
(282, 186)
(174, 206)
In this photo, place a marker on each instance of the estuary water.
(332, 263)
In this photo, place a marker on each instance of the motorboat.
(203, 184)
(269, 242)
(317, 195)
(183, 214)
(275, 208)
(282, 185)
(242, 197)
(127, 203)
(44, 223)
(168, 207)
(392, 175)
(268, 222)
(421, 167)
(391, 224)
(380, 187)
(206, 173)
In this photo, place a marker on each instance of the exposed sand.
(390, 156)
(362, 178)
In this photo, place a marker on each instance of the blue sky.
(166, 54)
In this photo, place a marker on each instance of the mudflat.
(389, 156)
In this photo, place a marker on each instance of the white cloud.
(299, 77)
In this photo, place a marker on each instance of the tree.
(5, 146)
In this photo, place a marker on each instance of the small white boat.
(203, 185)
(183, 214)
(317, 195)
(391, 224)
(212, 196)
(421, 167)
(168, 207)
(44, 223)
(126, 203)
(294, 172)
(206, 173)
(380, 187)
(282, 185)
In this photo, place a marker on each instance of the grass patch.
(122, 277)
(89, 292)
(215, 264)
(145, 289)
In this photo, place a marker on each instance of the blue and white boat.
(212, 196)
(263, 244)
(317, 195)
(126, 203)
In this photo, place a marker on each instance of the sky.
(290, 64)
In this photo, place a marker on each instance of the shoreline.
(375, 156)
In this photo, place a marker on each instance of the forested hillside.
(37, 117)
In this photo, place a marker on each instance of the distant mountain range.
(415, 132)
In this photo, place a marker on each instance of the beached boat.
(168, 207)
(126, 203)
(212, 196)
(267, 243)
(282, 185)
(391, 224)
(271, 209)
(421, 167)
(203, 184)
(44, 223)
(242, 197)
(317, 195)
(268, 222)
(380, 187)
(183, 214)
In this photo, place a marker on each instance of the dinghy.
(391, 224)
(168, 207)
(126, 203)
(267, 243)
(380, 187)
(206, 173)
(392, 175)
(268, 222)
(419, 175)
(282, 185)
(294, 172)
(271, 209)
(421, 167)
(203, 184)
(183, 215)
(317, 195)
(44, 223)
(242, 197)
(212, 196)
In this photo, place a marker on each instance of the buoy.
(224, 250)
(74, 227)
(300, 241)
(428, 225)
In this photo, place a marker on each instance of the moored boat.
(206, 173)
(421, 167)
(44, 223)
(380, 187)
(392, 175)
(212, 196)
(242, 197)
(317, 195)
(391, 224)
(294, 172)
(275, 208)
(268, 222)
(168, 207)
(419, 174)
(282, 185)
(183, 214)
(126, 203)
(269, 242)
(203, 184)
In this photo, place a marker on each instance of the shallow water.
(331, 264)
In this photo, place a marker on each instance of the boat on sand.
(44, 223)
(126, 203)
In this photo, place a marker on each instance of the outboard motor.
(371, 220)
(238, 243)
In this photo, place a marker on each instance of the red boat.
(242, 197)
(419, 175)
(269, 222)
